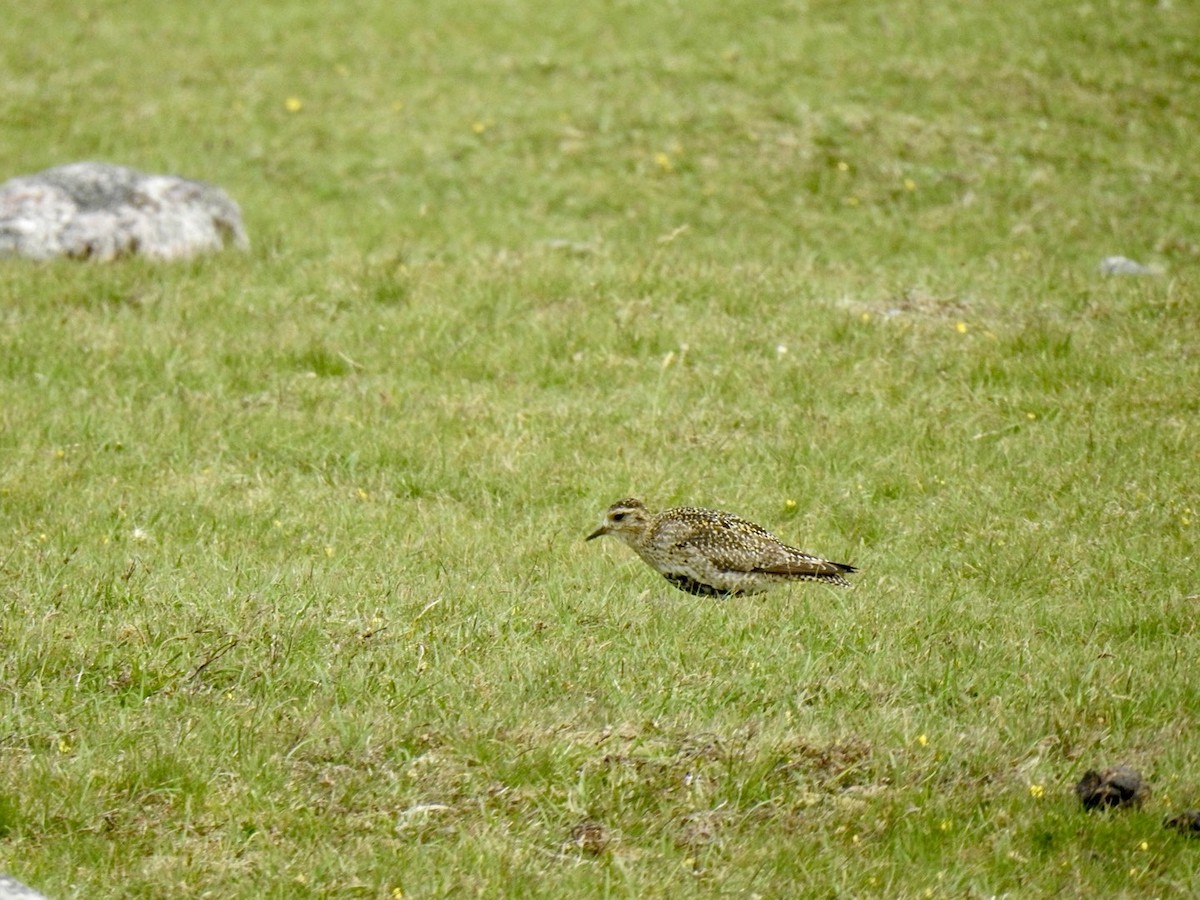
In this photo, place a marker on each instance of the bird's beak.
(599, 532)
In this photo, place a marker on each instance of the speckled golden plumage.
(706, 551)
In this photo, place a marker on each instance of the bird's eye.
(617, 517)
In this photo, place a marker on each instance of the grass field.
(294, 599)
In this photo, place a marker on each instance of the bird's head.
(625, 519)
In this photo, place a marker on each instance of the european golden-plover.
(706, 551)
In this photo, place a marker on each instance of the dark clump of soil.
(1114, 788)
(589, 836)
(1186, 822)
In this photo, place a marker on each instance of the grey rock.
(11, 889)
(92, 210)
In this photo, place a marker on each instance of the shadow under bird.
(713, 553)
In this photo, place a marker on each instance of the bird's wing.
(801, 565)
(728, 542)
(736, 545)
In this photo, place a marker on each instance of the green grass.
(294, 598)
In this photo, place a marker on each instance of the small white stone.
(11, 889)
(1123, 265)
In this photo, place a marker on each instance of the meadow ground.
(294, 598)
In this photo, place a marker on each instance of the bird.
(712, 553)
